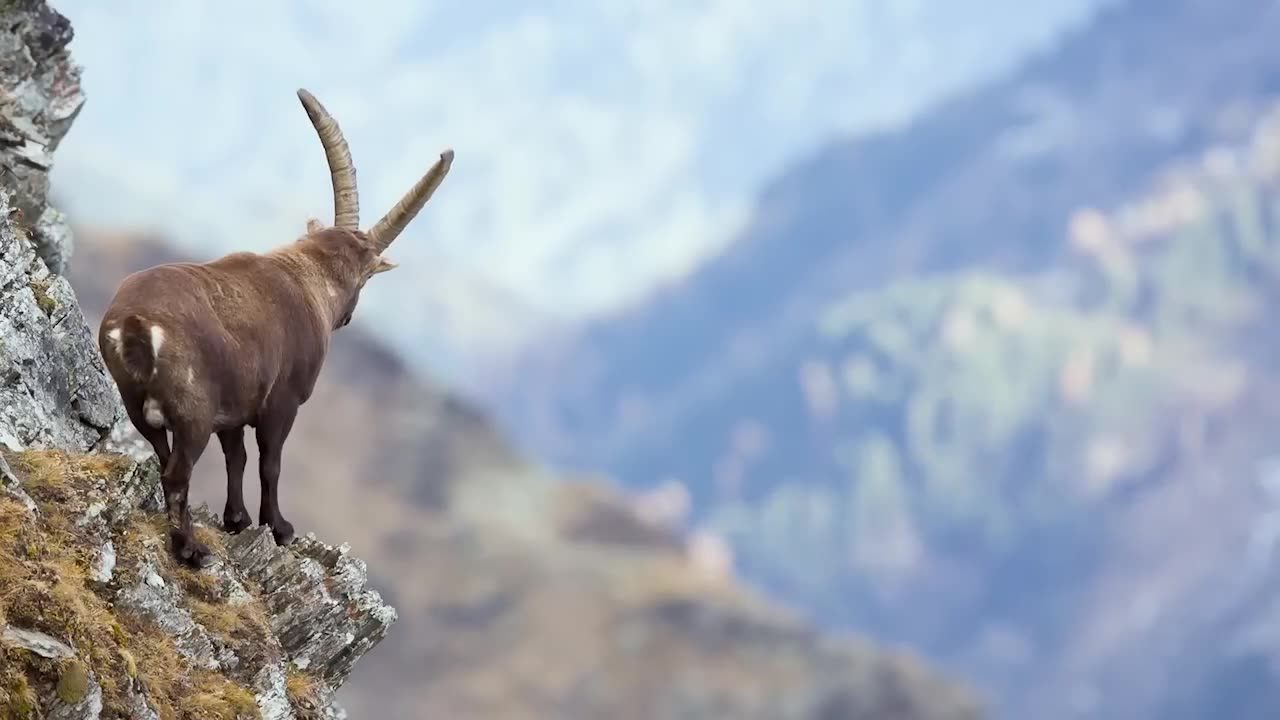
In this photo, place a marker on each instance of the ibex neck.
(322, 284)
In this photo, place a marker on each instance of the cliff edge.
(97, 621)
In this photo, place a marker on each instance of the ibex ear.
(314, 225)
(383, 265)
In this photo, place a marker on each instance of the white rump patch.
(117, 340)
(153, 414)
(157, 339)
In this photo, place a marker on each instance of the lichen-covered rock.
(54, 388)
(36, 642)
(124, 439)
(320, 608)
(40, 96)
(265, 631)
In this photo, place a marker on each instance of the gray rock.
(40, 96)
(272, 694)
(36, 642)
(54, 388)
(138, 707)
(124, 439)
(138, 489)
(322, 616)
(153, 598)
(104, 563)
(315, 594)
(54, 241)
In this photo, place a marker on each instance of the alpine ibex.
(200, 349)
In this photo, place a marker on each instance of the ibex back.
(203, 349)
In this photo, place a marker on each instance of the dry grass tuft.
(176, 690)
(199, 585)
(53, 475)
(17, 698)
(44, 584)
(303, 690)
(213, 696)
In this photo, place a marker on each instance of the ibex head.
(365, 247)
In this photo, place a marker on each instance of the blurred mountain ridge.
(1014, 355)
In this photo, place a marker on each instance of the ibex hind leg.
(189, 442)
(235, 517)
(272, 430)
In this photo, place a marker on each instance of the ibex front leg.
(235, 517)
(273, 429)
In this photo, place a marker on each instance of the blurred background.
(937, 328)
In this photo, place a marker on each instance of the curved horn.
(342, 173)
(394, 222)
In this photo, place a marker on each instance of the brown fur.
(243, 340)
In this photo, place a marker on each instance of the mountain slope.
(996, 386)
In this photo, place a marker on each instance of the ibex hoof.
(194, 554)
(283, 532)
(235, 521)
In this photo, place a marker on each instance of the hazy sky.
(601, 146)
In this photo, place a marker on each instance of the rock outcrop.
(53, 389)
(40, 97)
(91, 594)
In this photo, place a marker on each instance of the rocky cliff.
(97, 621)
(518, 594)
(53, 388)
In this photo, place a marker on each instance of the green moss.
(41, 291)
(74, 683)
